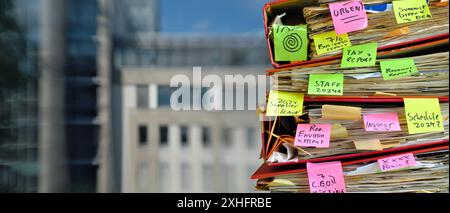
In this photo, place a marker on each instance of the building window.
(142, 135)
(164, 94)
(163, 135)
(142, 96)
(227, 135)
(184, 135)
(206, 137)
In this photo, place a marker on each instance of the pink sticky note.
(385, 122)
(326, 177)
(348, 16)
(396, 162)
(313, 135)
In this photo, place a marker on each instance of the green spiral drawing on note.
(292, 42)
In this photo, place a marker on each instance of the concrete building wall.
(205, 151)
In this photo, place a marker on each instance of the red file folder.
(287, 5)
(391, 51)
(343, 99)
(267, 171)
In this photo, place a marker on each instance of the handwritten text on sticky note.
(326, 177)
(348, 16)
(290, 42)
(423, 115)
(392, 69)
(326, 84)
(313, 135)
(363, 55)
(283, 103)
(385, 122)
(397, 162)
(411, 10)
(329, 42)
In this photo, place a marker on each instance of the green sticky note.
(326, 84)
(290, 42)
(283, 103)
(392, 69)
(411, 10)
(364, 55)
(329, 41)
(423, 115)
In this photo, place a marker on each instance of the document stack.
(359, 100)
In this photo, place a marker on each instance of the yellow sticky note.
(329, 41)
(423, 115)
(283, 103)
(338, 131)
(411, 10)
(281, 182)
(336, 112)
(369, 144)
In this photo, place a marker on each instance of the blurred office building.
(21, 125)
(183, 151)
(103, 122)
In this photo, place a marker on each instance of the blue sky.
(211, 16)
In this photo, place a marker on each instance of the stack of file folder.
(432, 78)
(382, 26)
(331, 127)
(429, 175)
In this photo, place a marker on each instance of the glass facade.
(19, 170)
(174, 51)
(81, 93)
(18, 101)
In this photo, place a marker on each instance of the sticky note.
(338, 131)
(383, 122)
(326, 84)
(363, 55)
(281, 182)
(326, 177)
(313, 135)
(330, 41)
(348, 16)
(396, 162)
(423, 115)
(336, 112)
(392, 69)
(290, 42)
(369, 144)
(411, 10)
(283, 103)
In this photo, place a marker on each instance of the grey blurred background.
(84, 95)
